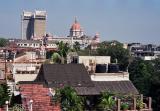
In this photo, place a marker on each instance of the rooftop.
(75, 75)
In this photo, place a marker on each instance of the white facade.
(25, 72)
(24, 77)
(35, 44)
(121, 76)
(91, 61)
(94, 59)
(149, 57)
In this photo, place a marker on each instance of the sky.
(122, 20)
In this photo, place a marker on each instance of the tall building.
(76, 30)
(27, 25)
(33, 24)
(39, 24)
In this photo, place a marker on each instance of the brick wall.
(2, 109)
(39, 95)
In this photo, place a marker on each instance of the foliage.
(4, 94)
(124, 106)
(69, 99)
(155, 84)
(56, 58)
(57, 97)
(49, 54)
(145, 75)
(76, 46)
(140, 73)
(106, 101)
(63, 49)
(116, 51)
(139, 104)
(3, 42)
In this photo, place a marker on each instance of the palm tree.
(106, 101)
(69, 99)
(61, 54)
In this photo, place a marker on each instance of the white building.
(25, 71)
(91, 61)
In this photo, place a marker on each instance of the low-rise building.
(145, 52)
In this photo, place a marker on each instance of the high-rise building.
(33, 24)
(39, 24)
(27, 25)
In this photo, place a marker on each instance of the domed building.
(76, 30)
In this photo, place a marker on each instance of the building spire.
(75, 19)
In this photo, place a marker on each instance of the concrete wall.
(39, 27)
(91, 61)
(25, 72)
(149, 57)
(96, 59)
(123, 76)
(24, 77)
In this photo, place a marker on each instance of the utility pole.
(5, 65)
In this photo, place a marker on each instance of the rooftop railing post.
(141, 97)
(31, 108)
(134, 104)
(118, 105)
(7, 105)
(150, 103)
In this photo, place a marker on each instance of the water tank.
(101, 68)
(113, 68)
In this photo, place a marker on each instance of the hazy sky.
(123, 20)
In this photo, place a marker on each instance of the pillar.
(118, 105)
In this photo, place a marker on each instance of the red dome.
(76, 25)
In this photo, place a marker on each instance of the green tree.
(63, 49)
(140, 74)
(106, 101)
(69, 99)
(4, 94)
(76, 46)
(56, 58)
(116, 51)
(3, 42)
(145, 75)
(155, 84)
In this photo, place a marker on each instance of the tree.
(69, 99)
(106, 101)
(145, 75)
(4, 94)
(56, 58)
(116, 51)
(61, 54)
(3, 42)
(76, 46)
(155, 84)
(140, 73)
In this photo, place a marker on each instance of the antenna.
(75, 19)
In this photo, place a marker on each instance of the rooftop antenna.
(75, 19)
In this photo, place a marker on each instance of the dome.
(76, 26)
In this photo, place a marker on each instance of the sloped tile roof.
(75, 75)
(64, 74)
